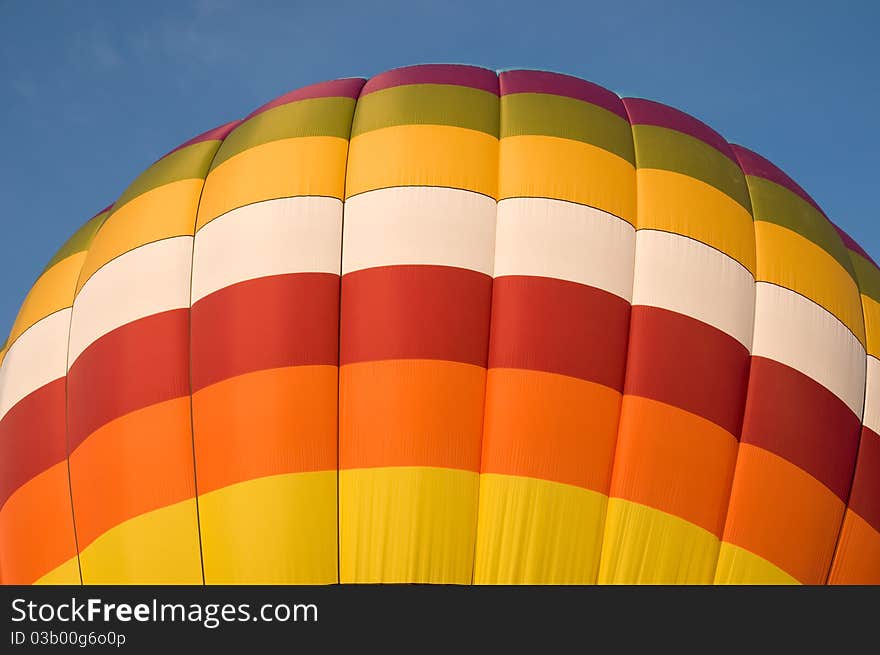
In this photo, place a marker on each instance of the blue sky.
(93, 92)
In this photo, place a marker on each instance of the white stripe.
(688, 277)
(799, 333)
(419, 225)
(147, 280)
(567, 241)
(275, 237)
(36, 358)
(872, 395)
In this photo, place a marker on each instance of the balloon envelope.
(448, 326)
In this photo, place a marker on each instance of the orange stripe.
(36, 527)
(783, 514)
(674, 461)
(549, 426)
(858, 553)
(136, 463)
(281, 420)
(411, 412)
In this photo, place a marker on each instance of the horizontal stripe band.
(865, 495)
(648, 112)
(269, 322)
(560, 327)
(306, 118)
(565, 118)
(419, 226)
(548, 426)
(457, 74)
(427, 104)
(416, 312)
(790, 414)
(411, 413)
(269, 422)
(33, 437)
(564, 240)
(544, 82)
(134, 366)
(683, 362)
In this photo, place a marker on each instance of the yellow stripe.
(643, 545)
(163, 212)
(532, 531)
(794, 262)
(423, 155)
(740, 566)
(52, 292)
(551, 167)
(274, 530)
(67, 573)
(871, 311)
(159, 547)
(304, 166)
(407, 524)
(678, 203)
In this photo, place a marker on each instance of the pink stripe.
(216, 134)
(648, 112)
(530, 81)
(458, 74)
(754, 164)
(851, 243)
(345, 88)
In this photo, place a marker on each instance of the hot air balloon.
(448, 325)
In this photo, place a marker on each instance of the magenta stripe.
(532, 81)
(458, 74)
(216, 134)
(754, 164)
(349, 87)
(648, 112)
(852, 244)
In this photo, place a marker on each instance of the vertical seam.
(604, 525)
(488, 336)
(860, 435)
(339, 340)
(67, 364)
(192, 423)
(748, 380)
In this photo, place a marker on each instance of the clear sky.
(93, 92)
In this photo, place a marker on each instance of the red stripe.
(684, 362)
(32, 437)
(415, 312)
(269, 322)
(557, 326)
(864, 499)
(792, 415)
(136, 365)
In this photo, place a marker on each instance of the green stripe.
(80, 241)
(187, 163)
(311, 117)
(567, 118)
(867, 275)
(776, 204)
(427, 104)
(660, 147)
